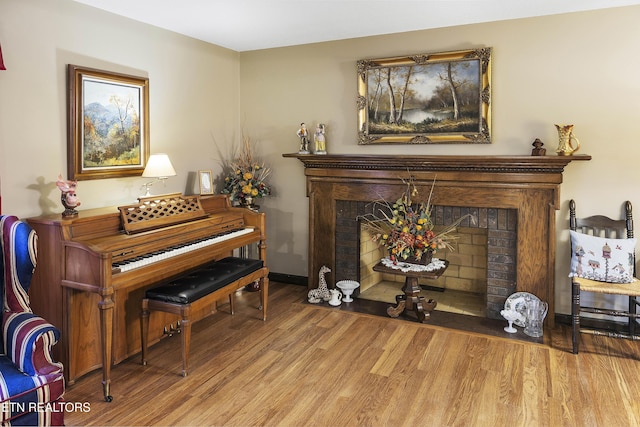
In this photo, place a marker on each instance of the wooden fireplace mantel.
(486, 164)
(529, 184)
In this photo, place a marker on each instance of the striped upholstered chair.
(31, 383)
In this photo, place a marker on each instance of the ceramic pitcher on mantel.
(567, 141)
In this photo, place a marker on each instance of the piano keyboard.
(153, 257)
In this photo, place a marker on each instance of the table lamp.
(159, 167)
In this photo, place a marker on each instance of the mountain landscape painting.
(111, 125)
(108, 133)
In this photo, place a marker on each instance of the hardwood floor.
(319, 366)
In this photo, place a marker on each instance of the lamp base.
(147, 186)
(159, 197)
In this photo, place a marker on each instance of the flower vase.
(567, 141)
(423, 260)
(247, 202)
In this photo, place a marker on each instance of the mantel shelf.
(505, 163)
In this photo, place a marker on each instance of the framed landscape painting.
(108, 124)
(425, 99)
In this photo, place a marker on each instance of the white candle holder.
(347, 287)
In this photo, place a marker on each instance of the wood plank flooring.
(319, 366)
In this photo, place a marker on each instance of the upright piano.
(94, 268)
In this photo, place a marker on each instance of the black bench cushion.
(189, 288)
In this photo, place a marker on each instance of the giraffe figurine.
(322, 292)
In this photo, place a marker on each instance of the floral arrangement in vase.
(406, 229)
(246, 176)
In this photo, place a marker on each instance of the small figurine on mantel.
(537, 148)
(303, 134)
(68, 196)
(319, 140)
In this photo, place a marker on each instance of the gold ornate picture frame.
(436, 98)
(108, 113)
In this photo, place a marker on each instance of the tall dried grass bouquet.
(246, 175)
(406, 229)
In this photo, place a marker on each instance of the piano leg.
(185, 326)
(264, 296)
(106, 325)
(144, 329)
(232, 304)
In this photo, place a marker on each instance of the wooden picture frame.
(425, 99)
(108, 131)
(205, 180)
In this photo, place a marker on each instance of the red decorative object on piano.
(2, 67)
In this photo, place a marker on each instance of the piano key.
(143, 260)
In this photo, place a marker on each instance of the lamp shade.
(158, 166)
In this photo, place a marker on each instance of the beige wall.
(193, 94)
(578, 68)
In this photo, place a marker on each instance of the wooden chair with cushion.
(603, 262)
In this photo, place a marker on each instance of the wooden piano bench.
(200, 289)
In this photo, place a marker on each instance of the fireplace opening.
(481, 272)
(461, 289)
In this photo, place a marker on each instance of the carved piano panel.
(95, 304)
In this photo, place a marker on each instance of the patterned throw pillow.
(602, 259)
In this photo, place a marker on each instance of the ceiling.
(244, 25)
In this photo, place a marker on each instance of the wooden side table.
(411, 300)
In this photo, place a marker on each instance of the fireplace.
(528, 186)
(494, 228)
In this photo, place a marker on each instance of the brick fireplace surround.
(530, 185)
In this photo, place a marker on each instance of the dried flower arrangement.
(406, 229)
(246, 176)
